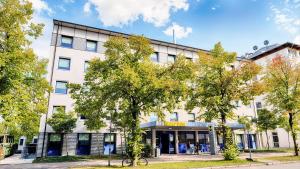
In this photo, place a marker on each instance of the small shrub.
(231, 152)
(147, 150)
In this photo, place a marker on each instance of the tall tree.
(22, 82)
(267, 120)
(219, 84)
(283, 86)
(129, 83)
(62, 122)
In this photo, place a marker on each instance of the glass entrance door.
(166, 141)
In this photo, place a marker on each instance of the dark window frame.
(193, 118)
(57, 89)
(66, 45)
(91, 50)
(157, 57)
(63, 68)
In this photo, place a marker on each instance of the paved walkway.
(15, 159)
(163, 158)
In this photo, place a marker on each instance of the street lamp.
(109, 147)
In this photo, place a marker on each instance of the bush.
(6, 150)
(231, 152)
(147, 150)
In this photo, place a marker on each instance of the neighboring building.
(72, 47)
(278, 137)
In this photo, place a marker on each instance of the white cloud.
(40, 5)
(287, 17)
(87, 8)
(213, 8)
(180, 31)
(297, 39)
(41, 45)
(124, 12)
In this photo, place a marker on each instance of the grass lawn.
(180, 165)
(272, 150)
(72, 158)
(283, 158)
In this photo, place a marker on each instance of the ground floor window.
(251, 141)
(109, 143)
(275, 139)
(186, 141)
(55, 142)
(83, 144)
(240, 141)
(203, 141)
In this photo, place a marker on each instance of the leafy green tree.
(267, 120)
(219, 84)
(282, 81)
(22, 83)
(62, 122)
(128, 82)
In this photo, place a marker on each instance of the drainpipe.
(51, 79)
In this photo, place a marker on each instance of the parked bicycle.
(127, 161)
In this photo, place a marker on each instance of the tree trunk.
(223, 123)
(134, 139)
(268, 145)
(294, 134)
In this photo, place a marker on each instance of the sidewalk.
(15, 159)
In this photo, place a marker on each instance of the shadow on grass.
(73, 158)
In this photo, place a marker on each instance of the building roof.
(267, 50)
(114, 33)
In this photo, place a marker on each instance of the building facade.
(73, 46)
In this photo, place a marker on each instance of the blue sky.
(238, 24)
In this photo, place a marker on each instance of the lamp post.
(109, 147)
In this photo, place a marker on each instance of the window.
(109, 143)
(153, 117)
(35, 140)
(189, 59)
(66, 41)
(237, 103)
(82, 117)
(275, 139)
(258, 105)
(61, 87)
(64, 63)
(21, 142)
(171, 58)
(174, 117)
(91, 46)
(154, 57)
(191, 117)
(83, 144)
(58, 108)
(86, 65)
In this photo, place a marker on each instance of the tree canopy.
(219, 83)
(128, 82)
(22, 83)
(282, 81)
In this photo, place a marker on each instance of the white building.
(72, 46)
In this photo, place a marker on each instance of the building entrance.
(166, 141)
